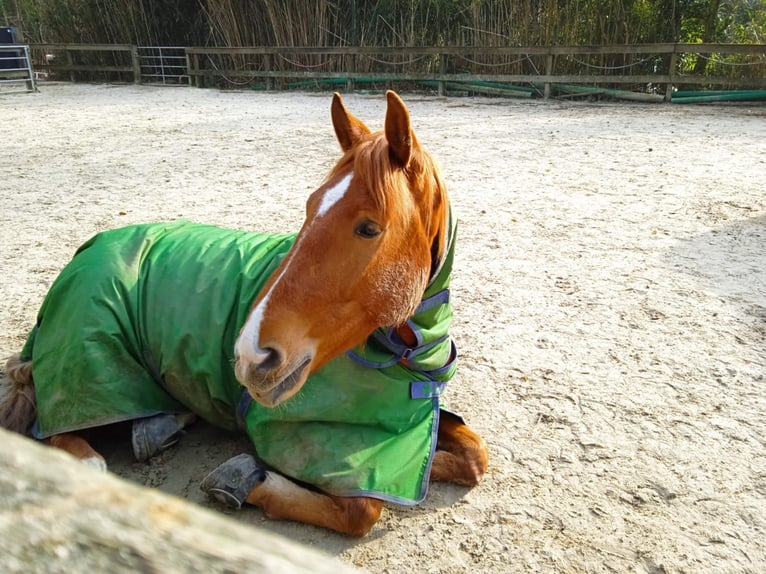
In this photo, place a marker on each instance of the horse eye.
(367, 229)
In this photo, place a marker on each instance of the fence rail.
(654, 68)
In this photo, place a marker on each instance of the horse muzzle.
(272, 380)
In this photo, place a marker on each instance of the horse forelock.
(370, 161)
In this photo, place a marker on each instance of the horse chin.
(282, 389)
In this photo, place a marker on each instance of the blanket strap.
(245, 400)
(390, 340)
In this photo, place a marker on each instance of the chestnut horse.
(377, 234)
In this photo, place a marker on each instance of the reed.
(391, 23)
(381, 22)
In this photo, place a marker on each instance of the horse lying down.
(329, 347)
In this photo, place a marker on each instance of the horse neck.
(439, 254)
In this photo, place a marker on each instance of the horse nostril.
(272, 361)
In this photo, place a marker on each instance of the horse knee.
(475, 455)
(361, 514)
(465, 467)
(468, 458)
(477, 461)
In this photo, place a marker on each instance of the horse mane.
(372, 161)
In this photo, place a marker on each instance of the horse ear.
(348, 129)
(398, 132)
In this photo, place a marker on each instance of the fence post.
(442, 86)
(202, 76)
(189, 77)
(194, 70)
(28, 62)
(70, 63)
(267, 66)
(671, 73)
(549, 73)
(136, 61)
(351, 61)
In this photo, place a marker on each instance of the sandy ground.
(610, 292)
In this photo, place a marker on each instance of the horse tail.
(17, 407)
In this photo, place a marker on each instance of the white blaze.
(334, 194)
(247, 346)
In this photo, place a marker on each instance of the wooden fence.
(650, 71)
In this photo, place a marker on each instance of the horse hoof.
(152, 435)
(231, 482)
(95, 462)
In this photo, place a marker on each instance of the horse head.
(374, 233)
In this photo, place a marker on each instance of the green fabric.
(147, 309)
(144, 318)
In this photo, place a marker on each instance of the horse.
(329, 347)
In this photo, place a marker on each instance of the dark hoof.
(154, 434)
(231, 482)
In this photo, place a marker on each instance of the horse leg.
(461, 456)
(240, 479)
(79, 448)
(281, 498)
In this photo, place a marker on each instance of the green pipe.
(489, 89)
(303, 83)
(694, 93)
(621, 94)
(493, 88)
(513, 87)
(727, 97)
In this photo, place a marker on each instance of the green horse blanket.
(143, 321)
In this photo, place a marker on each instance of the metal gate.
(165, 65)
(16, 69)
